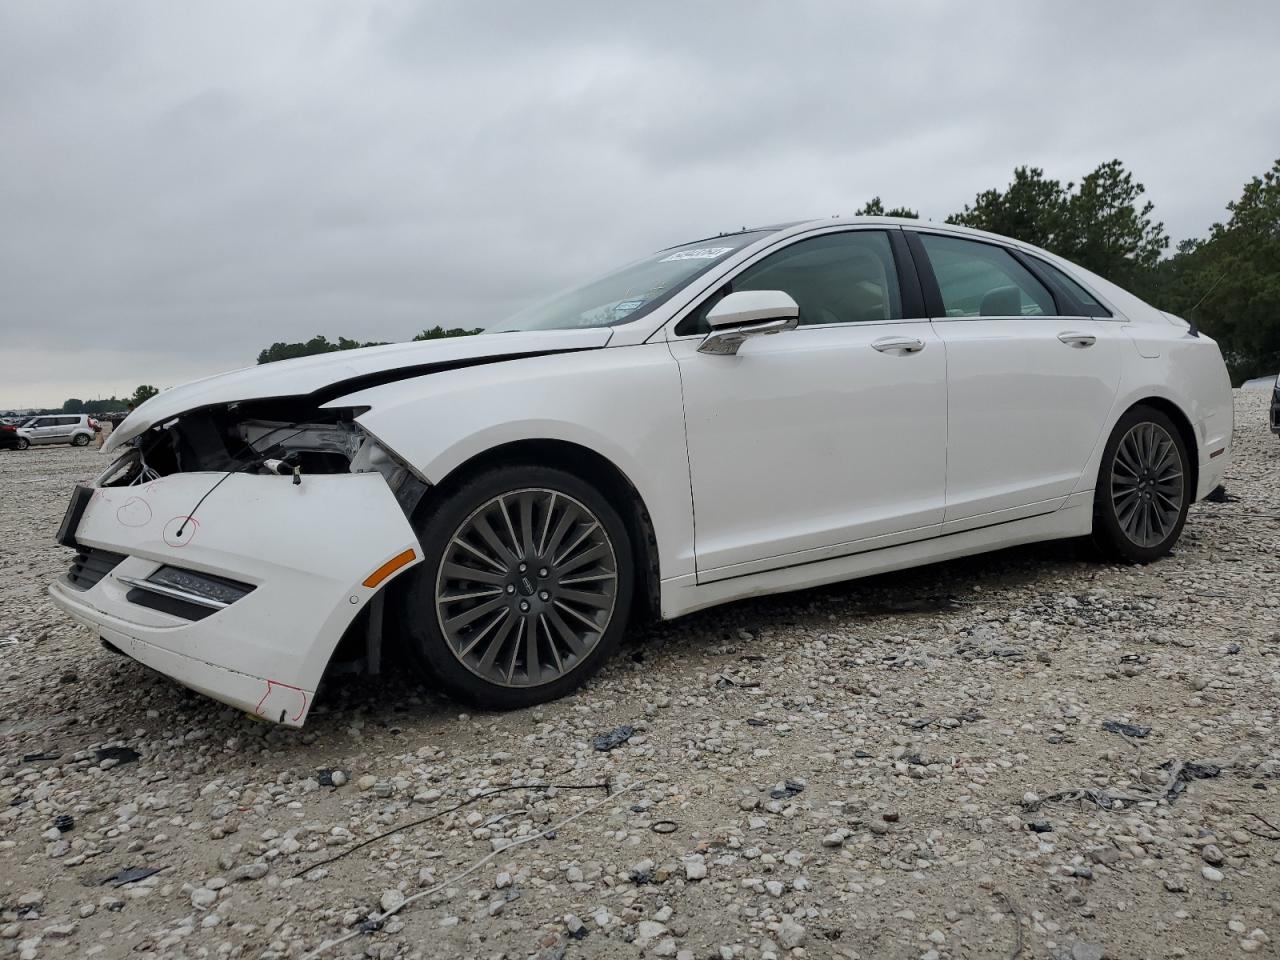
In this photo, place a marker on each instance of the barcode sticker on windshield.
(702, 253)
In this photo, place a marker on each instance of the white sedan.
(750, 413)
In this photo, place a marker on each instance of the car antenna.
(1193, 328)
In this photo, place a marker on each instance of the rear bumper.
(306, 550)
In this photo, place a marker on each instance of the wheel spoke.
(566, 634)
(601, 601)
(473, 595)
(475, 613)
(476, 552)
(573, 546)
(506, 519)
(456, 571)
(580, 616)
(567, 519)
(503, 615)
(546, 525)
(500, 550)
(524, 509)
(598, 552)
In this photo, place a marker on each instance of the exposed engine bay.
(285, 437)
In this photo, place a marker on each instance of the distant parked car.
(76, 429)
(1275, 407)
(10, 438)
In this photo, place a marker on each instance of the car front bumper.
(307, 550)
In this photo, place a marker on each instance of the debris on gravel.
(918, 765)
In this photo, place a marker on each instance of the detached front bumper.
(309, 552)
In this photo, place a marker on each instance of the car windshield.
(31, 422)
(631, 292)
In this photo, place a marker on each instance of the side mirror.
(748, 313)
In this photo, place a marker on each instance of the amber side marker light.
(390, 567)
(1217, 453)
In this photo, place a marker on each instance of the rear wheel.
(1144, 488)
(80, 440)
(525, 589)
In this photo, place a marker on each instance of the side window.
(983, 280)
(1087, 300)
(835, 278)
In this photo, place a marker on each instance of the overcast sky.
(182, 184)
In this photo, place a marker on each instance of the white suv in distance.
(75, 429)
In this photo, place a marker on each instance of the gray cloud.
(182, 184)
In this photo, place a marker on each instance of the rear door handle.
(1078, 340)
(905, 344)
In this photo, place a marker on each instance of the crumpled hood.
(306, 375)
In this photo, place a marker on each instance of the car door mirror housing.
(748, 313)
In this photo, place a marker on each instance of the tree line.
(321, 344)
(1227, 283)
(112, 404)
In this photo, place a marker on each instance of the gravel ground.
(915, 765)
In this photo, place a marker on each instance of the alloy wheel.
(526, 587)
(1147, 484)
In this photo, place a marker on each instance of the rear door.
(1030, 379)
(824, 440)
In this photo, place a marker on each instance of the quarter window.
(983, 280)
(1087, 300)
(835, 278)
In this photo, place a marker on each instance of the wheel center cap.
(525, 586)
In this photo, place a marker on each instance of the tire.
(80, 440)
(558, 564)
(23, 443)
(1144, 488)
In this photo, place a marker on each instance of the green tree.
(875, 208)
(73, 406)
(144, 393)
(316, 345)
(440, 333)
(1100, 225)
(1229, 283)
(1032, 208)
(1109, 233)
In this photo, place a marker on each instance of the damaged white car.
(755, 412)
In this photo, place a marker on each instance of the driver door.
(825, 440)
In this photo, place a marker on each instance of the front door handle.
(905, 344)
(1078, 340)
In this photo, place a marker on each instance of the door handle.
(1078, 340)
(905, 344)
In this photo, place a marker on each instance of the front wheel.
(1144, 488)
(23, 443)
(525, 589)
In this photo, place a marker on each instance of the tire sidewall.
(23, 443)
(1108, 533)
(420, 630)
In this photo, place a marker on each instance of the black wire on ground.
(603, 785)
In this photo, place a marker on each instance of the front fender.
(622, 403)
